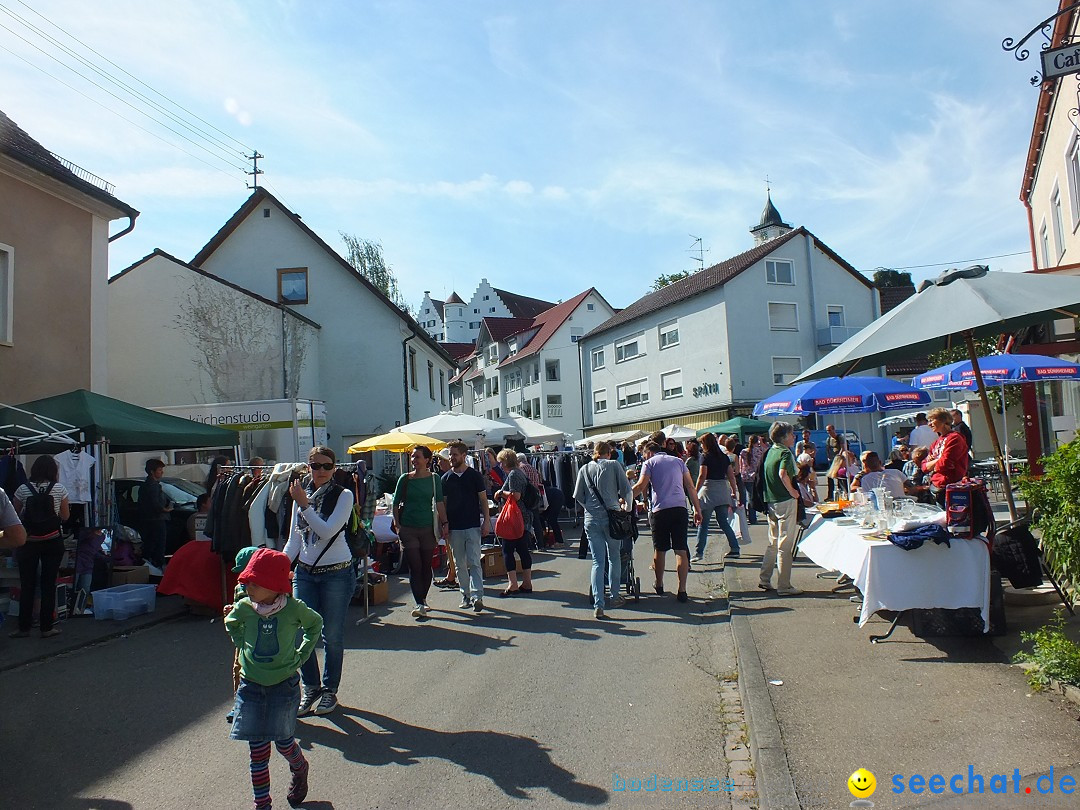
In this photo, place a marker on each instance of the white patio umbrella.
(679, 433)
(530, 430)
(959, 306)
(449, 426)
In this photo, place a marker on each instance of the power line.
(122, 117)
(958, 262)
(244, 147)
(118, 98)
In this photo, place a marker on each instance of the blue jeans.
(329, 596)
(465, 545)
(605, 554)
(721, 511)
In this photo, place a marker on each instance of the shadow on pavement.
(511, 762)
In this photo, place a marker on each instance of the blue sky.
(549, 146)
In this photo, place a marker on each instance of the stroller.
(629, 579)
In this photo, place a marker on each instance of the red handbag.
(510, 525)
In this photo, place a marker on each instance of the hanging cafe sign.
(1056, 62)
(1060, 62)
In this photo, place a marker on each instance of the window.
(474, 324)
(442, 386)
(551, 370)
(671, 384)
(575, 333)
(783, 317)
(493, 352)
(785, 369)
(554, 405)
(668, 334)
(427, 310)
(1072, 166)
(779, 272)
(478, 390)
(7, 297)
(266, 213)
(590, 307)
(629, 348)
(491, 386)
(836, 315)
(412, 369)
(633, 393)
(599, 400)
(431, 380)
(292, 286)
(476, 312)
(597, 359)
(1044, 243)
(492, 309)
(512, 380)
(1059, 224)
(486, 297)
(532, 373)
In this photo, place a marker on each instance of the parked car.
(819, 437)
(181, 493)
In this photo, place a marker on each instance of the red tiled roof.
(715, 276)
(521, 306)
(546, 323)
(459, 351)
(454, 299)
(502, 328)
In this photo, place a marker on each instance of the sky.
(550, 146)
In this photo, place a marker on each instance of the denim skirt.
(266, 713)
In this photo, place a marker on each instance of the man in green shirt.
(782, 497)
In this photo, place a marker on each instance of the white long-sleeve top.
(322, 532)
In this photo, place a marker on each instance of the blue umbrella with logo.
(842, 395)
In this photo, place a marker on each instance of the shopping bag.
(510, 525)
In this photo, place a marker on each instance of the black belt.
(325, 569)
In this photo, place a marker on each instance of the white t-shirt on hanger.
(75, 474)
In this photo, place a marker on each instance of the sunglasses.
(329, 465)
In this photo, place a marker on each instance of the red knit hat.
(269, 569)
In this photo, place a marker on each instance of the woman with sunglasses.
(324, 578)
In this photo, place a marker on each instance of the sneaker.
(617, 602)
(308, 699)
(766, 587)
(732, 555)
(598, 613)
(466, 603)
(682, 597)
(298, 786)
(695, 558)
(789, 592)
(55, 631)
(420, 611)
(327, 703)
(478, 605)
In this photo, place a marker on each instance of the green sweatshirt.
(268, 653)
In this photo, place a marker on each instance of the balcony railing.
(554, 410)
(835, 335)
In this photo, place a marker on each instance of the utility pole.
(254, 157)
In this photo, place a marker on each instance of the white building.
(454, 321)
(376, 366)
(530, 366)
(710, 346)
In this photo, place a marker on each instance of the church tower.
(771, 225)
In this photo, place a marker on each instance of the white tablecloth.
(891, 578)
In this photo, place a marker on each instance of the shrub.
(1054, 496)
(1053, 654)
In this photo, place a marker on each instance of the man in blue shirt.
(469, 519)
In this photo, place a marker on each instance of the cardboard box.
(492, 563)
(130, 575)
(378, 593)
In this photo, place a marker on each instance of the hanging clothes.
(12, 474)
(75, 474)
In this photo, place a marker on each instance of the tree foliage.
(366, 257)
(666, 279)
(983, 348)
(1053, 497)
(891, 278)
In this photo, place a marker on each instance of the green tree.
(367, 259)
(983, 347)
(884, 277)
(665, 279)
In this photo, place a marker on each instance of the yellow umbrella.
(397, 443)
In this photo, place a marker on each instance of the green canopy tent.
(110, 424)
(740, 425)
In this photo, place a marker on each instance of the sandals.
(523, 589)
(510, 592)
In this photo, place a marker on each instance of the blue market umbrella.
(842, 395)
(999, 368)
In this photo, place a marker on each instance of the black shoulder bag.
(620, 522)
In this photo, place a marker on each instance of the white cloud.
(518, 188)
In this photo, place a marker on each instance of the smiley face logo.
(862, 784)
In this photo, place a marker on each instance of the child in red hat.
(263, 627)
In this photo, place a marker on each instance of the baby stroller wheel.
(637, 589)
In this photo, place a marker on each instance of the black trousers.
(47, 554)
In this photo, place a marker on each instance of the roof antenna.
(699, 247)
(254, 157)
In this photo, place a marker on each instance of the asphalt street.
(534, 701)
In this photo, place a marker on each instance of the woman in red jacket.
(947, 461)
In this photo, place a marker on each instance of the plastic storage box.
(124, 601)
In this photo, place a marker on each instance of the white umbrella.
(530, 430)
(679, 433)
(449, 426)
(959, 306)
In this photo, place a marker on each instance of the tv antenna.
(254, 157)
(697, 247)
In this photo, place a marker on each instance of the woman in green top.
(419, 512)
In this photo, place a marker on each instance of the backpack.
(530, 496)
(757, 494)
(39, 512)
(968, 509)
(356, 534)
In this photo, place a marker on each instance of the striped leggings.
(260, 766)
